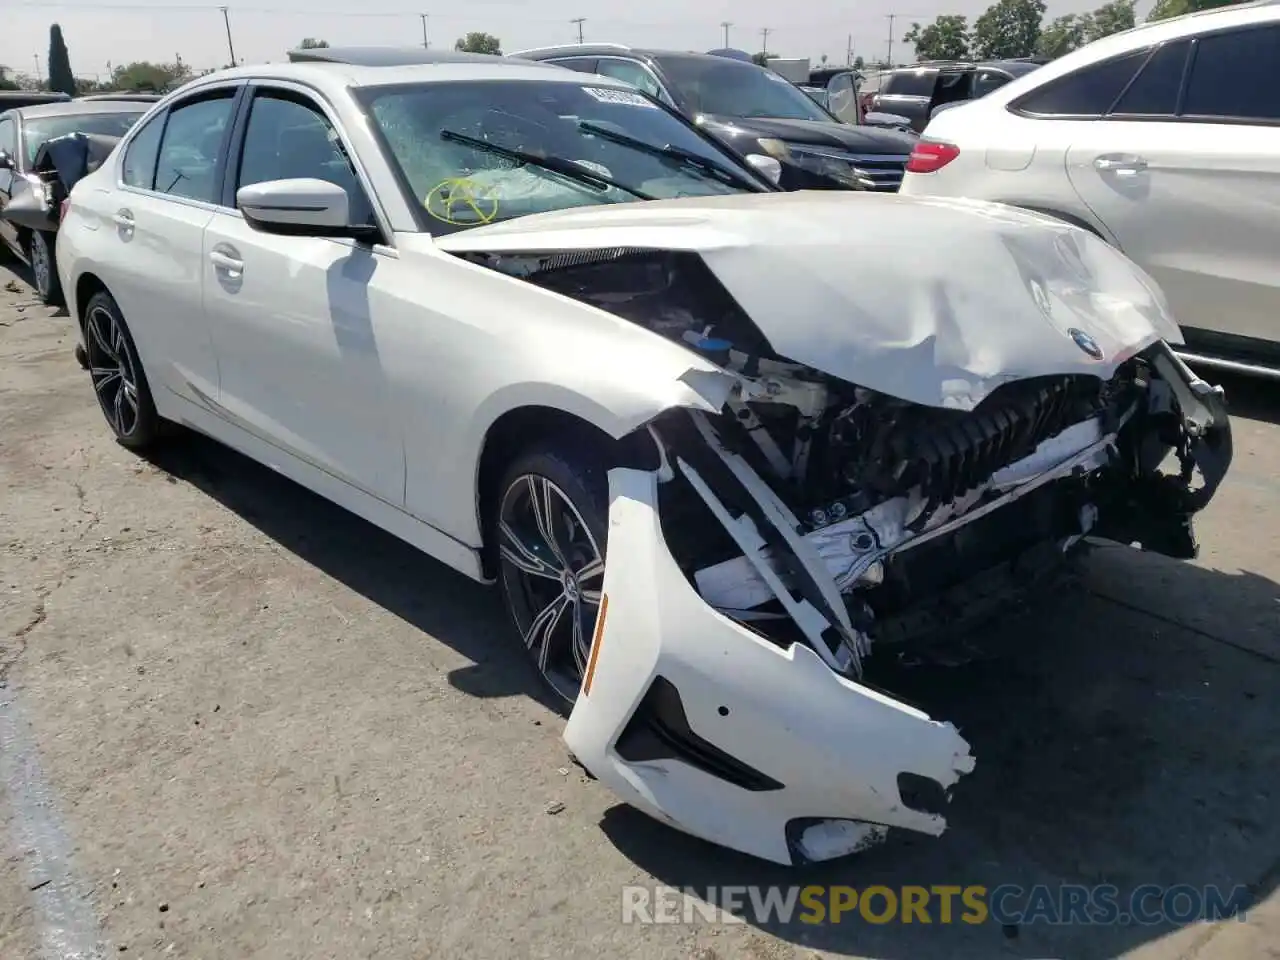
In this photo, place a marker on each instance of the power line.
(579, 21)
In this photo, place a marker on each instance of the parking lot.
(236, 722)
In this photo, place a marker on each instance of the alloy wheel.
(553, 572)
(112, 370)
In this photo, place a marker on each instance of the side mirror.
(6, 161)
(300, 208)
(768, 167)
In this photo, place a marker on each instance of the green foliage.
(7, 81)
(61, 79)
(859, 63)
(1176, 8)
(142, 75)
(762, 58)
(1076, 29)
(947, 38)
(311, 43)
(479, 42)
(1009, 28)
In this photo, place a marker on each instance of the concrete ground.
(236, 722)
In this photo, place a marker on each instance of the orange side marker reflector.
(595, 644)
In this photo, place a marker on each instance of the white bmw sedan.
(721, 447)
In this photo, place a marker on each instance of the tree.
(146, 76)
(7, 82)
(1064, 34)
(311, 43)
(1110, 18)
(1009, 28)
(859, 63)
(762, 58)
(947, 38)
(1176, 8)
(61, 79)
(479, 42)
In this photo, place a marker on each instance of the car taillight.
(928, 156)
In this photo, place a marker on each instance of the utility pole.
(764, 39)
(848, 51)
(39, 79)
(888, 60)
(579, 21)
(226, 19)
(726, 24)
(425, 45)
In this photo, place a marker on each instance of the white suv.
(1165, 141)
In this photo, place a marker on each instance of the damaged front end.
(768, 552)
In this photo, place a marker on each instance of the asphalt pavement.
(236, 722)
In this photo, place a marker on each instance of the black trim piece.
(659, 730)
(232, 148)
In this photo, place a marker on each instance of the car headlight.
(833, 164)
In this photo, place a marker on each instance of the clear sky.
(99, 32)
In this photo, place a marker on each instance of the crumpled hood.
(815, 133)
(936, 301)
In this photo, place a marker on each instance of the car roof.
(613, 49)
(335, 78)
(133, 96)
(79, 108)
(388, 56)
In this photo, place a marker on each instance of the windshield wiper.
(669, 152)
(566, 168)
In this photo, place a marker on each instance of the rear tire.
(119, 381)
(550, 527)
(42, 255)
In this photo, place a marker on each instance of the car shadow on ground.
(423, 592)
(1114, 745)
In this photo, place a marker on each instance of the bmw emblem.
(1086, 343)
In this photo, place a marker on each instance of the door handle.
(123, 219)
(223, 261)
(1121, 164)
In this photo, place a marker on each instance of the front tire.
(550, 527)
(42, 255)
(118, 378)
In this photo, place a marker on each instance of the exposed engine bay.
(821, 511)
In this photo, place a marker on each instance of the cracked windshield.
(483, 152)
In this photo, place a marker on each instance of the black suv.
(753, 111)
(916, 92)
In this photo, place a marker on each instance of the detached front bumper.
(772, 749)
(715, 730)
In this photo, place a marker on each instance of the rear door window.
(1087, 93)
(1154, 91)
(630, 72)
(909, 83)
(987, 80)
(139, 168)
(191, 149)
(580, 64)
(1234, 76)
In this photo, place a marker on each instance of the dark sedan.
(27, 226)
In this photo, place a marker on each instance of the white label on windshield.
(626, 97)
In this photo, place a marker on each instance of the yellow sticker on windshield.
(462, 202)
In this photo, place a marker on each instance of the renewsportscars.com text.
(1064, 904)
